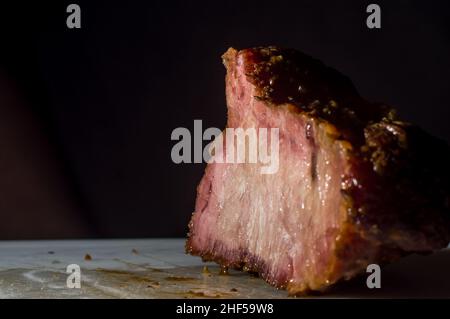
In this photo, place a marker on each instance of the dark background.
(86, 114)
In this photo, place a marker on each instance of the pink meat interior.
(290, 219)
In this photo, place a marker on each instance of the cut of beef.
(355, 185)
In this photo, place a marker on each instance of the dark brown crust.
(289, 76)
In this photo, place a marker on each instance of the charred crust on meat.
(289, 76)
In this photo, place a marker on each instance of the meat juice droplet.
(223, 270)
(205, 270)
(308, 131)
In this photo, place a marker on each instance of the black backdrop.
(108, 96)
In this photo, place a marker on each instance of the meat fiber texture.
(354, 186)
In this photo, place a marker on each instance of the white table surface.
(159, 268)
